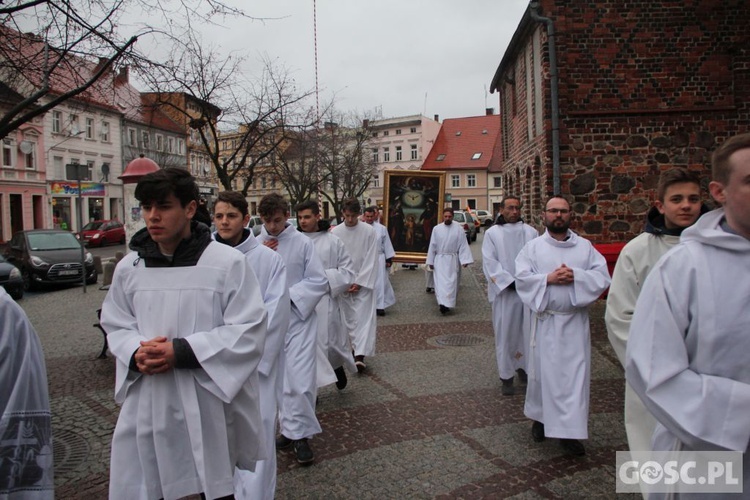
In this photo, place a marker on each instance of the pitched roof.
(139, 108)
(464, 144)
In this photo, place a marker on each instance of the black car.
(10, 279)
(47, 256)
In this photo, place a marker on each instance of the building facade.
(618, 94)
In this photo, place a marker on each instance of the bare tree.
(251, 118)
(42, 44)
(294, 166)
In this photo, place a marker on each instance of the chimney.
(123, 76)
(489, 111)
(102, 62)
(437, 118)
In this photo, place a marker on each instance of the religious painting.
(413, 200)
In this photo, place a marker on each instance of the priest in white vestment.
(558, 275)
(385, 297)
(307, 285)
(448, 251)
(230, 217)
(677, 207)
(510, 318)
(358, 303)
(25, 420)
(687, 353)
(186, 323)
(332, 336)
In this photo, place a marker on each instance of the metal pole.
(80, 230)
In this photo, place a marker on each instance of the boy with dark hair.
(384, 296)
(307, 284)
(231, 216)
(678, 207)
(332, 336)
(186, 324)
(687, 355)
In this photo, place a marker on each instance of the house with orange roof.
(465, 150)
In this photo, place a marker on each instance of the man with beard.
(448, 251)
(558, 275)
(510, 318)
(383, 289)
(677, 207)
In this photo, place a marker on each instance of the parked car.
(255, 224)
(99, 233)
(10, 279)
(467, 221)
(46, 256)
(292, 221)
(485, 218)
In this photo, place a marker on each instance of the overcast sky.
(406, 56)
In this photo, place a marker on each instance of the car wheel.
(122, 240)
(16, 294)
(103, 242)
(28, 283)
(93, 279)
(474, 238)
(468, 238)
(488, 223)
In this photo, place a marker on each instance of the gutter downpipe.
(555, 118)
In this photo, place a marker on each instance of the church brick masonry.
(642, 87)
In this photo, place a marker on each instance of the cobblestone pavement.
(425, 421)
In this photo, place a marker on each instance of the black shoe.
(430, 290)
(522, 376)
(341, 379)
(443, 309)
(537, 431)
(283, 442)
(508, 389)
(359, 362)
(573, 447)
(303, 452)
(380, 312)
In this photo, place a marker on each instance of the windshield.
(53, 241)
(459, 217)
(93, 226)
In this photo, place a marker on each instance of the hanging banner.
(87, 188)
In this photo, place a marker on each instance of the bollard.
(109, 271)
(119, 256)
(98, 264)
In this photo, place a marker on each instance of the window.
(159, 142)
(75, 128)
(145, 139)
(57, 162)
(193, 165)
(375, 155)
(399, 155)
(455, 181)
(89, 128)
(471, 180)
(105, 131)
(497, 182)
(374, 134)
(476, 156)
(385, 132)
(170, 144)
(7, 152)
(90, 168)
(398, 131)
(56, 122)
(180, 146)
(413, 130)
(30, 158)
(132, 139)
(440, 158)
(273, 182)
(376, 181)
(386, 154)
(472, 203)
(263, 182)
(413, 151)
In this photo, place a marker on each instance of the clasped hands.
(563, 275)
(155, 356)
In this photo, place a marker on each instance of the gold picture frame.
(412, 205)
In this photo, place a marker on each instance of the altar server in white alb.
(510, 318)
(186, 322)
(358, 303)
(333, 338)
(677, 207)
(307, 284)
(25, 419)
(688, 352)
(231, 216)
(558, 275)
(448, 251)
(385, 297)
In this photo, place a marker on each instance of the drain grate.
(70, 451)
(459, 340)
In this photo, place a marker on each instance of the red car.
(99, 233)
